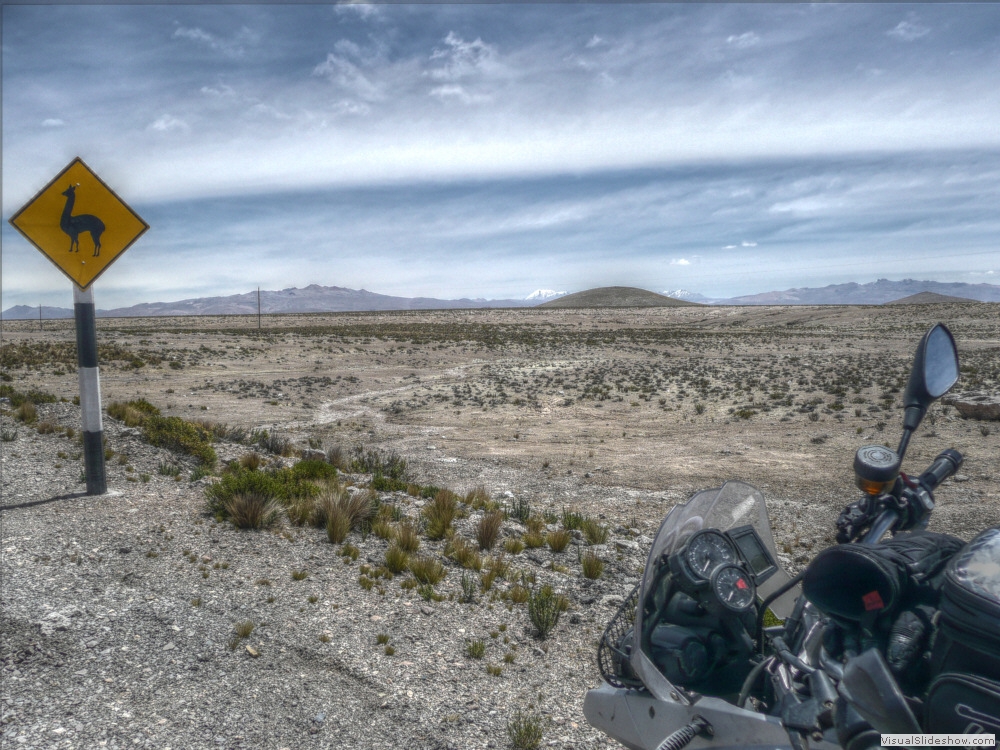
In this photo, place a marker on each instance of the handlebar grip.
(946, 464)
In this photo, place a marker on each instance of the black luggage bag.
(965, 695)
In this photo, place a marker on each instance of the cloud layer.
(480, 149)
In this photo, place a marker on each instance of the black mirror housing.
(934, 372)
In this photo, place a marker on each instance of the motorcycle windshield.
(730, 506)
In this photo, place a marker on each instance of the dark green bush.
(34, 396)
(387, 484)
(373, 461)
(178, 435)
(282, 485)
(314, 469)
(544, 608)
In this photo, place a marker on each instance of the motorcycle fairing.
(732, 505)
(640, 722)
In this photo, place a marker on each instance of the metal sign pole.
(90, 390)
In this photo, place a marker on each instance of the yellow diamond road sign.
(79, 223)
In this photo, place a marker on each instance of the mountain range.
(312, 299)
(316, 298)
(874, 293)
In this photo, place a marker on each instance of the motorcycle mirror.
(870, 688)
(934, 372)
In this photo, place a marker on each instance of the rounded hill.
(617, 296)
(929, 298)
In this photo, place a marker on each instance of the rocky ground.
(120, 611)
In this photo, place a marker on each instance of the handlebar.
(945, 465)
(885, 521)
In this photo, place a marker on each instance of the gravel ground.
(119, 612)
(103, 647)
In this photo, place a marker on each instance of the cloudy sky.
(490, 150)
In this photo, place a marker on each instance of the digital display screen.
(753, 551)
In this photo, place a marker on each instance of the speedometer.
(706, 551)
(733, 588)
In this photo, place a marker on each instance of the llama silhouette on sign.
(74, 225)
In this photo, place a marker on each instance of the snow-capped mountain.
(544, 294)
(684, 294)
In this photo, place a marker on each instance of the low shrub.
(544, 608)
(272, 443)
(314, 469)
(572, 520)
(244, 481)
(373, 461)
(33, 396)
(335, 455)
(520, 510)
(383, 483)
(524, 730)
(180, 436)
(468, 588)
(168, 469)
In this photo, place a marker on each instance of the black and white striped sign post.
(90, 390)
(76, 202)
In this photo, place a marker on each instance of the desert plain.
(616, 414)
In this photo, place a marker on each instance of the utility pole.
(258, 309)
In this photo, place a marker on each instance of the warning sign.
(79, 223)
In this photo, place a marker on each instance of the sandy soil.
(566, 405)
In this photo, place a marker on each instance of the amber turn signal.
(871, 487)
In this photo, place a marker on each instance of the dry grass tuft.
(252, 460)
(396, 559)
(407, 536)
(488, 529)
(252, 510)
(464, 553)
(341, 512)
(533, 540)
(427, 570)
(479, 499)
(513, 545)
(594, 532)
(440, 513)
(592, 565)
(558, 540)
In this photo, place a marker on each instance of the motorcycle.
(718, 647)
